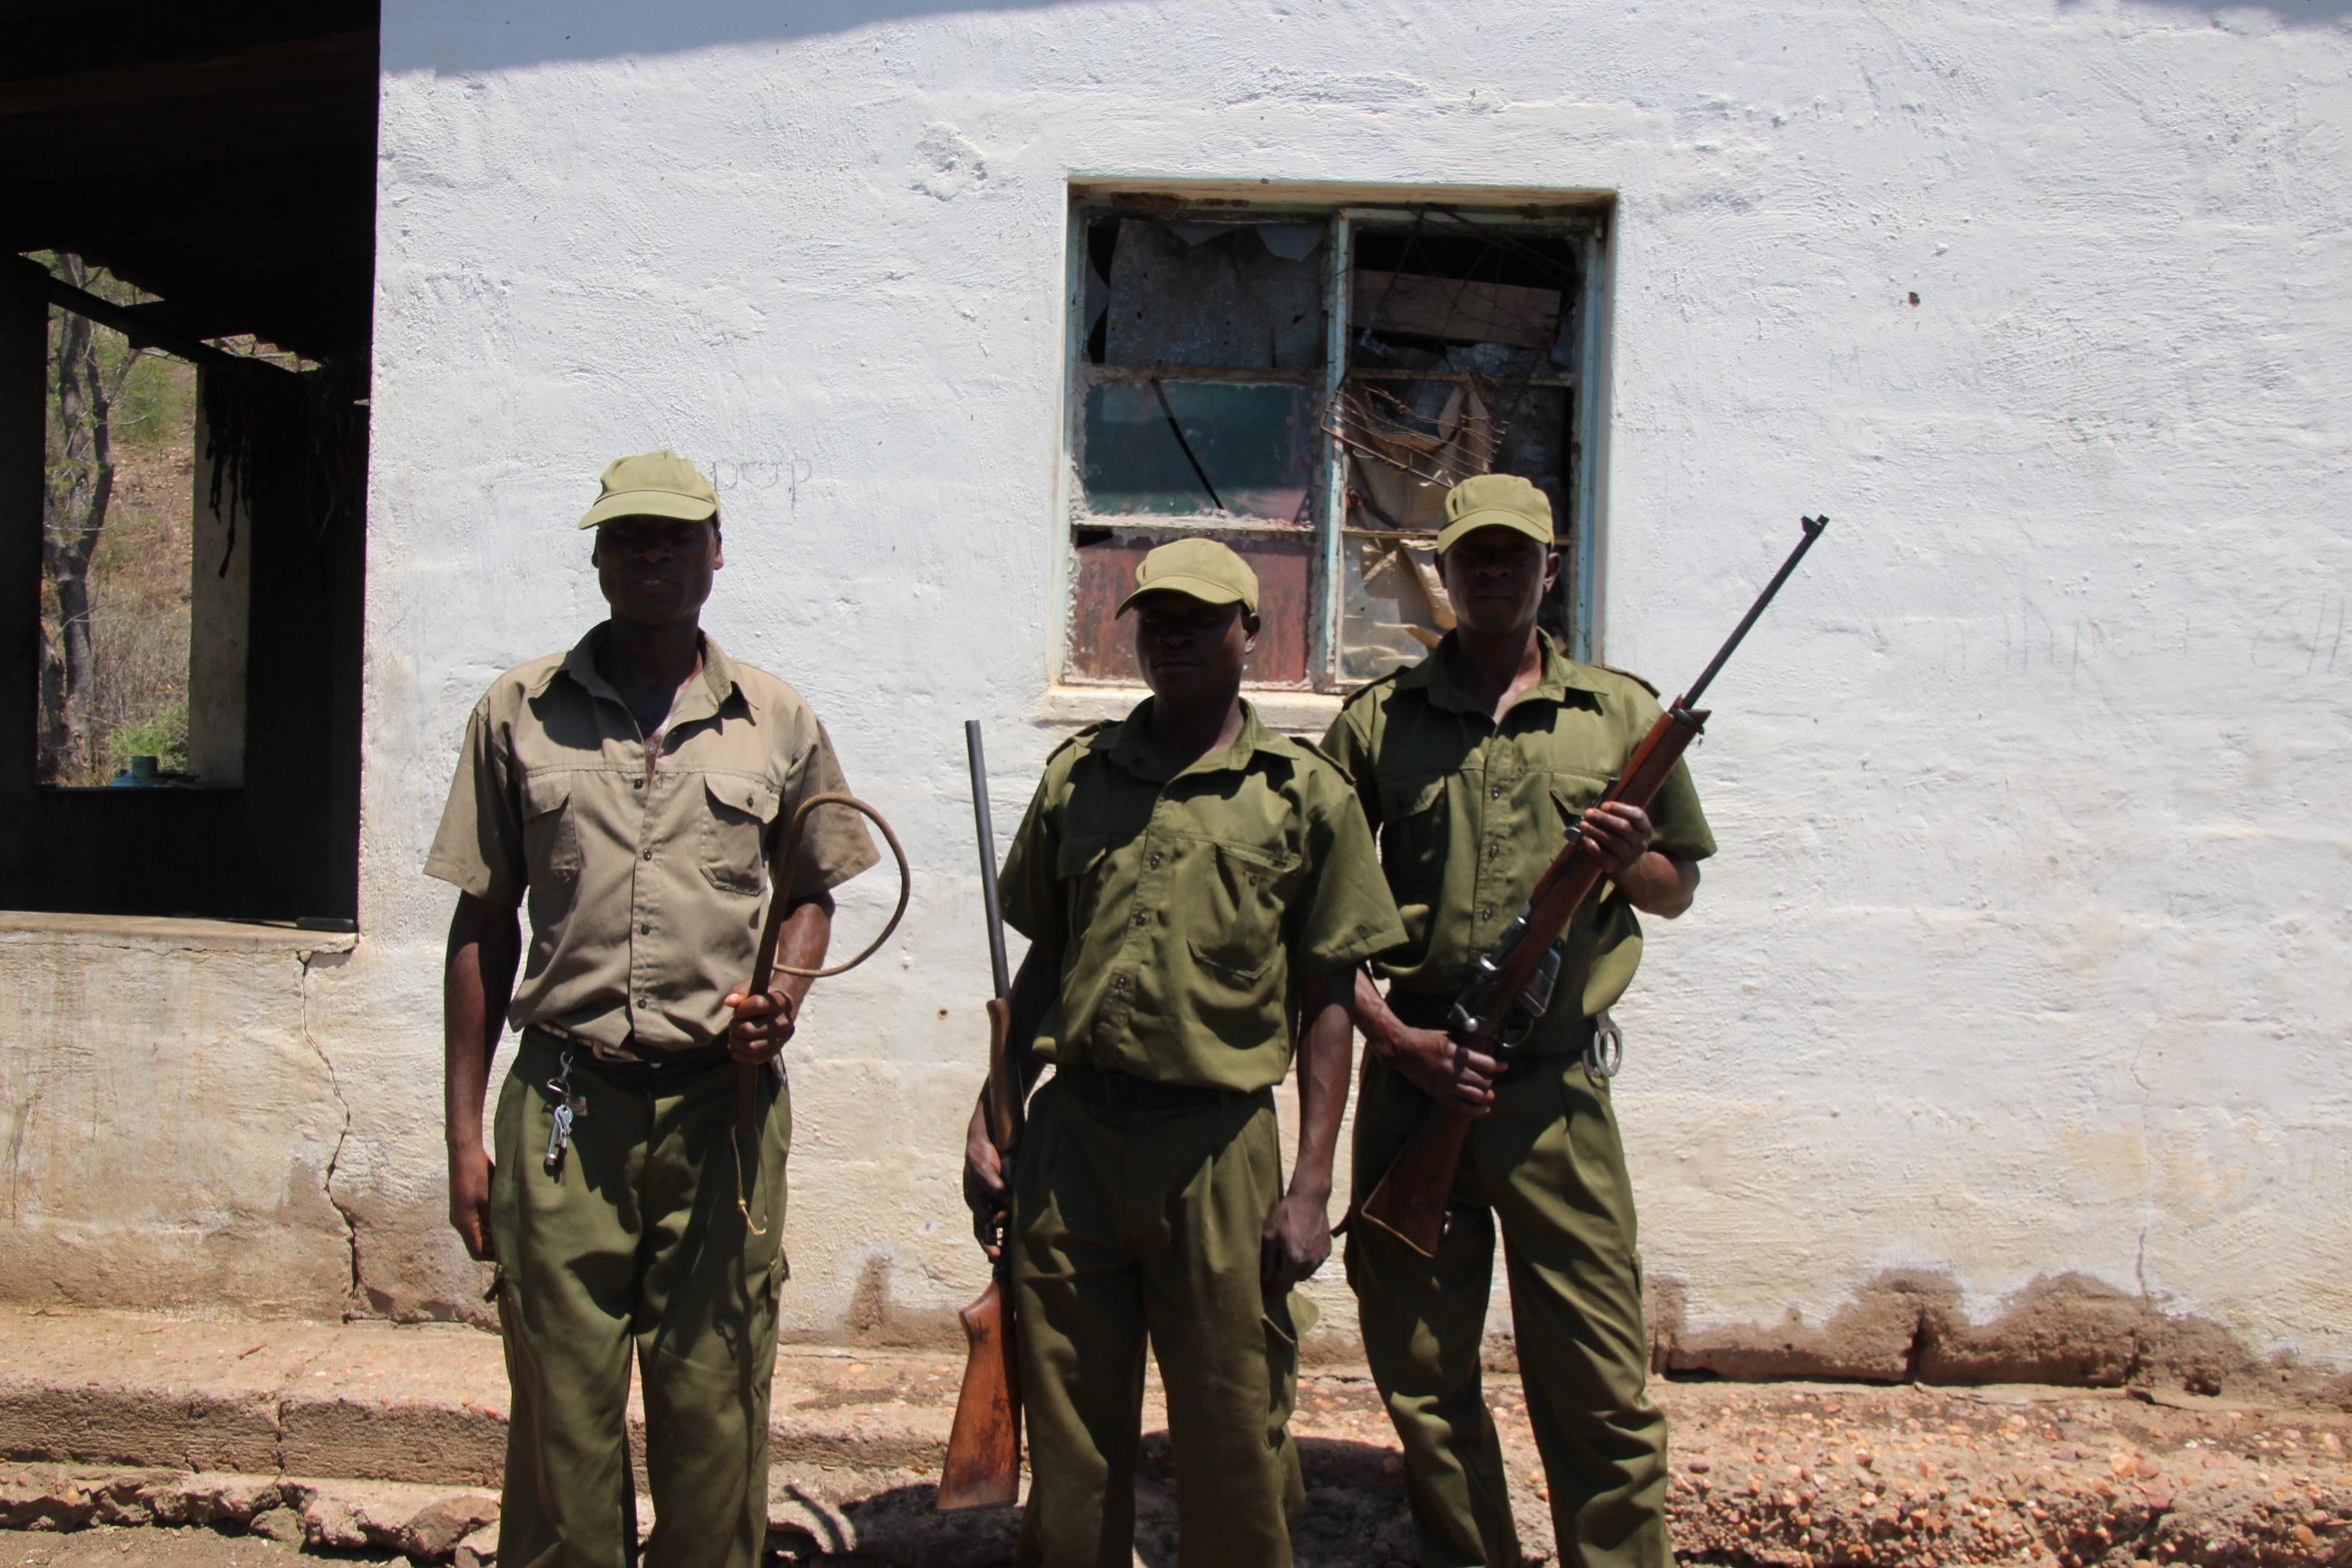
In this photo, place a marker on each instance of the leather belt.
(1427, 1010)
(627, 1054)
(1125, 1091)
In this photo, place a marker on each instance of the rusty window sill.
(162, 933)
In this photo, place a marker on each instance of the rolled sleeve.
(1348, 915)
(834, 845)
(1028, 889)
(479, 847)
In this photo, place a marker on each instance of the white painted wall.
(2027, 951)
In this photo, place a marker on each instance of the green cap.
(1495, 501)
(655, 484)
(1200, 568)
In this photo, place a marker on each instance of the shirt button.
(644, 930)
(1487, 914)
(1493, 792)
(1119, 983)
(1155, 862)
(1138, 920)
(649, 854)
(1493, 852)
(636, 784)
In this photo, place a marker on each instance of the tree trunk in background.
(73, 516)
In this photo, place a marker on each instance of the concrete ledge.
(162, 933)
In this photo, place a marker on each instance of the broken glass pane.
(1252, 450)
(1222, 296)
(1102, 643)
(1392, 608)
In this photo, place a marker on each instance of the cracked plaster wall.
(2024, 957)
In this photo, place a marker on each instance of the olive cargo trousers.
(1547, 1162)
(1135, 1225)
(635, 1247)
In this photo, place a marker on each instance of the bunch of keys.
(569, 1105)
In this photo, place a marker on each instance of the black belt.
(1125, 1091)
(632, 1057)
(1427, 1010)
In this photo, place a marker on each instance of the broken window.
(1306, 386)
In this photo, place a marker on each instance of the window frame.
(1584, 220)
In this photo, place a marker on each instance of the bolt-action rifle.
(983, 1462)
(1512, 982)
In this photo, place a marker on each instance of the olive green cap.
(1495, 501)
(1202, 569)
(655, 484)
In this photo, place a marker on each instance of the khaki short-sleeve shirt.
(1186, 910)
(646, 881)
(1470, 815)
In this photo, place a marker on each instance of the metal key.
(568, 1107)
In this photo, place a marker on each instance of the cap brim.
(1471, 523)
(649, 503)
(1198, 588)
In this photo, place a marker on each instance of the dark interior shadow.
(2294, 12)
(413, 42)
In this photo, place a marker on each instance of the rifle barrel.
(985, 828)
(1813, 527)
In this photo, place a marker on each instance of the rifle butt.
(983, 1462)
(1410, 1202)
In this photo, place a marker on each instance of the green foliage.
(162, 734)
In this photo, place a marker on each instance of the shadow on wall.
(416, 40)
(2294, 12)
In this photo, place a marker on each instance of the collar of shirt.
(719, 680)
(1129, 743)
(1435, 675)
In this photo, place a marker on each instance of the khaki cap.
(1202, 569)
(655, 484)
(1495, 501)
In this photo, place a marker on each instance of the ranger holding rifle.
(1192, 886)
(1475, 764)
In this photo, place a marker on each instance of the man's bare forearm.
(1659, 884)
(477, 981)
(801, 944)
(1324, 1071)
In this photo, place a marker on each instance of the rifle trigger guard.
(1604, 1054)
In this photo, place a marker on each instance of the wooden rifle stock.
(1410, 1201)
(983, 1462)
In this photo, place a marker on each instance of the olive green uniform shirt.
(1471, 812)
(646, 878)
(1185, 909)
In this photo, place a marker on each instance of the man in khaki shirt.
(633, 792)
(1192, 884)
(1475, 764)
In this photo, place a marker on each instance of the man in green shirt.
(634, 791)
(1192, 884)
(1474, 764)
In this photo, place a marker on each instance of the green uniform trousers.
(635, 1245)
(1129, 1226)
(1546, 1161)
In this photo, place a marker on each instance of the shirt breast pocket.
(1234, 898)
(1412, 823)
(1575, 792)
(735, 832)
(550, 833)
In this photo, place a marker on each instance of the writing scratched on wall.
(789, 474)
(2302, 636)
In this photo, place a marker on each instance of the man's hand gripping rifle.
(1512, 982)
(983, 1462)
